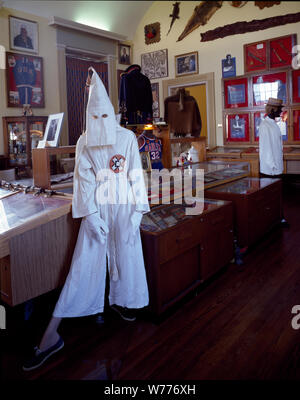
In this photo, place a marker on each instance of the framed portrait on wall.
(186, 64)
(236, 93)
(24, 80)
(23, 35)
(124, 54)
(155, 97)
(155, 64)
(237, 127)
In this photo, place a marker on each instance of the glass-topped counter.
(243, 186)
(163, 217)
(20, 208)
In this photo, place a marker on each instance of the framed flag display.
(236, 93)
(237, 127)
(281, 51)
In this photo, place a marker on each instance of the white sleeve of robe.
(84, 184)
(140, 194)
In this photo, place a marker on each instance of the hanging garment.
(107, 231)
(270, 148)
(182, 114)
(152, 145)
(135, 97)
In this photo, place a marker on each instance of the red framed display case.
(255, 56)
(269, 54)
(296, 125)
(269, 85)
(281, 51)
(237, 128)
(296, 86)
(235, 93)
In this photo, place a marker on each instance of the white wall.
(210, 53)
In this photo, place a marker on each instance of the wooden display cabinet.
(257, 206)
(181, 252)
(37, 240)
(21, 135)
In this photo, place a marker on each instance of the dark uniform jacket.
(135, 98)
(182, 114)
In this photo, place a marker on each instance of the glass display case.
(21, 135)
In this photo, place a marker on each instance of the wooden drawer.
(172, 243)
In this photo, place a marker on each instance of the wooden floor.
(238, 327)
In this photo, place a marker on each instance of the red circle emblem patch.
(117, 163)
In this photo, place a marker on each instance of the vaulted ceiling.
(120, 17)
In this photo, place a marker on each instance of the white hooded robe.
(105, 146)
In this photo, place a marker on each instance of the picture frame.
(155, 64)
(186, 64)
(22, 90)
(237, 127)
(124, 54)
(228, 67)
(255, 56)
(155, 97)
(52, 131)
(23, 35)
(296, 125)
(236, 93)
(262, 89)
(146, 161)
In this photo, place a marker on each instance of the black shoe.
(126, 313)
(41, 356)
(99, 319)
(284, 223)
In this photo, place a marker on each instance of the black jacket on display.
(135, 97)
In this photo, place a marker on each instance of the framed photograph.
(52, 131)
(228, 67)
(124, 54)
(237, 128)
(236, 93)
(155, 97)
(269, 85)
(24, 80)
(155, 64)
(23, 35)
(186, 64)
(146, 161)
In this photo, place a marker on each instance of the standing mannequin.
(270, 144)
(270, 140)
(108, 231)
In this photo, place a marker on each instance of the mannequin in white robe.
(270, 140)
(109, 233)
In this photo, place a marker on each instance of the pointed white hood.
(101, 121)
